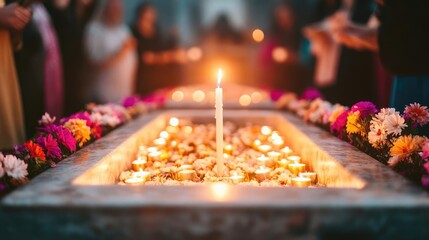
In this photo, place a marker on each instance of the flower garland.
(56, 140)
(386, 134)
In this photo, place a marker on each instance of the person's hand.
(14, 17)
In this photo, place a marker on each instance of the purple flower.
(2, 187)
(365, 108)
(131, 101)
(63, 135)
(311, 94)
(80, 115)
(156, 99)
(50, 146)
(340, 123)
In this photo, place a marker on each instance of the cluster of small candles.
(185, 153)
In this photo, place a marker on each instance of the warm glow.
(280, 54)
(194, 54)
(245, 100)
(219, 76)
(177, 96)
(266, 130)
(187, 129)
(164, 135)
(258, 35)
(256, 97)
(198, 96)
(174, 122)
(219, 190)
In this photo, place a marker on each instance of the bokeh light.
(174, 122)
(194, 54)
(245, 100)
(280, 54)
(177, 96)
(198, 96)
(258, 35)
(265, 130)
(219, 190)
(256, 97)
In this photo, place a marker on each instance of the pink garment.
(53, 86)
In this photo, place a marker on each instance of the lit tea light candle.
(173, 144)
(186, 167)
(188, 130)
(174, 122)
(160, 142)
(301, 182)
(311, 175)
(265, 130)
(164, 135)
(152, 149)
(286, 151)
(236, 178)
(263, 160)
(262, 173)
(141, 174)
(219, 126)
(138, 164)
(296, 168)
(294, 159)
(275, 156)
(228, 149)
(278, 143)
(283, 163)
(256, 144)
(187, 175)
(134, 181)
(264, 148)
(154, 156)
(226, 156)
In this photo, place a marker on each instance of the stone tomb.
(79, 199)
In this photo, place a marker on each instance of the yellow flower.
(352, 123)
(404, 146)
(81, 132)
(336, 113)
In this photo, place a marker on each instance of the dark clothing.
(356, 79)
(30, 62)
(404, 36)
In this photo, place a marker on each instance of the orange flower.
(35, 150)
(81, 132)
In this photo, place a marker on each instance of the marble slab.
(78, 198)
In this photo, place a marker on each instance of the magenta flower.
(131, 101)
(63, 136)
(276, 94)
(425, 181)
(426, 166)
(50, 146)
(311, 94)
(365, 108)
(339, 124)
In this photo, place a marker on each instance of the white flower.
(394, 123)
(393, 161)
(14, 167)
(385, 112)
(46, 119)
(377, 135)
(111, 121)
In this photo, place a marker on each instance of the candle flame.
(219, 77)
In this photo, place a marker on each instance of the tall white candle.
(219, 125)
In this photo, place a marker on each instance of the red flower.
(35, 151)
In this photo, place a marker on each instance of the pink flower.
(46, 119)
(50, 145)
(14, 167)
(365, 108)
(417, 113)
(340, 123)
(63, 136)
(426, 166)
(425, 150)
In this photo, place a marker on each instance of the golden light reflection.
(164, 135)
(280, 54)
(245, 100)
(174, 122)
(198, 96)
(256, 97)
(194, 54)
(258, 35)
(265, 130)
(177, 96)
(219, 190)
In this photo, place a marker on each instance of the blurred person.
(403, 38)
(280, 52)
(40, 71)
(224, 32)
(70, 19)
(13, 18)
(111, 50)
